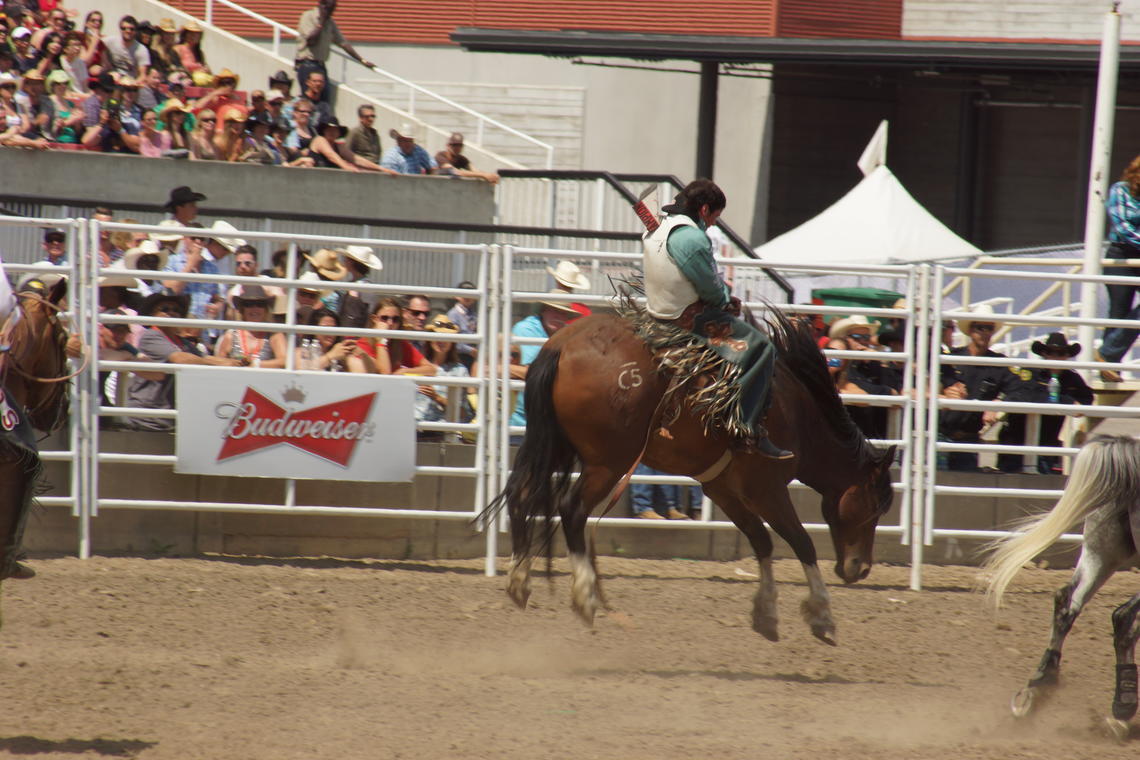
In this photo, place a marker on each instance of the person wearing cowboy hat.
(323, 148)
(193, 256)
(328, 266)
(870, 377)
(146, 255)
(549, 317)
(259, 348)
(684, 289)
(164, 343)
(982, 383)
(1035, 388)
(183, 205)
(432, 401)
(463, 314)
(406, 157)
(360, 261)
(568, 278)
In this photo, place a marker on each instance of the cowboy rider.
(683, 286)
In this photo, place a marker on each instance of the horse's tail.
(1106, 471)
(541, 477)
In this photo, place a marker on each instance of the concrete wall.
(80, 178)
(634, 121)
(1016, 19)
(53, 531)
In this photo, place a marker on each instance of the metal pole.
(706, 119)
(1098, 173)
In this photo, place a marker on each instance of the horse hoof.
(586, 614)
(1022, 702)
(519, 594)
(825, 633)
(1117, 729)
(766, 627)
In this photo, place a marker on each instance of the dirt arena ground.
(250, 659)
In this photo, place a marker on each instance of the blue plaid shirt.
(200, 292)
(419, 162)
(1123, 215)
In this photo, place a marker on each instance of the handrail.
(278, 28)
(616, 180)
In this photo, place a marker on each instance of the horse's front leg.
(765, 619)
(816, 606)
(1125, 632)
(1068, 601)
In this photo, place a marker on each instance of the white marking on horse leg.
(583, 587)
(816, 606)
(765, 618)
(518, 580)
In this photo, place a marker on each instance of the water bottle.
(306, 353)
(1054, 389)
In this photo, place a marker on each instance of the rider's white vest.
(667, 290)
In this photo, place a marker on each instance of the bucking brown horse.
(594, 404)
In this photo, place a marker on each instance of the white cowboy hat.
(982, 313)
(560, 305)
(229, 243)
(364, 255)
(118, 281)
(131, 258)
(167, 237)
(841, 328)
(281, 297)
(568, 273)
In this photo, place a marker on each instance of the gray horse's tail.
(1105, 472)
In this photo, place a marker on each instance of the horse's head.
(37, 360)
(857, 514)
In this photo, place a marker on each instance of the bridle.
(59, 335)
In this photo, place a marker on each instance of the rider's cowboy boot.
(761, 444)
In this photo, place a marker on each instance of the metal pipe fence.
(507, 279)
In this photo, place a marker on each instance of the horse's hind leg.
(1091, 573)
(1125, 632)
(594, 486)
(518, 577)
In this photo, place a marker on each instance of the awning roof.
(905, 53)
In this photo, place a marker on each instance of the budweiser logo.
(330, 431)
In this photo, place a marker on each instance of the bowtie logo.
(330, 431)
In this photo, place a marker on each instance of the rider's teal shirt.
(691, 251)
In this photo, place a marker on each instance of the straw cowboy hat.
(1056, 342)
(568, 274)
(314, 278)
(982, 313)
(281, 297)
(167, 25)
(167, 237)
(841, 328)
(441, 323)
(118, 281)
(174, 104)
(229, 243)
(327, 264)
(364, 255)
(560, 305)
(131, 258)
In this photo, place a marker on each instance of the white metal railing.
(511, 276)
(482, 120)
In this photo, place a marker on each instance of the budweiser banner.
(316, 425)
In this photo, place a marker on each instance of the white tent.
(877, 222)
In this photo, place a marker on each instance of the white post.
(209, 12)
(1098, 173)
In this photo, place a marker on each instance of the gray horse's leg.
(1125, 632)
(1104, 550)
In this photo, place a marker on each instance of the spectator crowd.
(218, 250)
(148, 89)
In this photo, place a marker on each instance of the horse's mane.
(800, 355)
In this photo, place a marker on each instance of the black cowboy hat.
(281, 76)
(256, 118)
(181, 195)
(1056, 342)
(104, 82)
(331, 121)
(146, 309)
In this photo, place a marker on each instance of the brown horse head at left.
(599, 401)
(33, 376)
